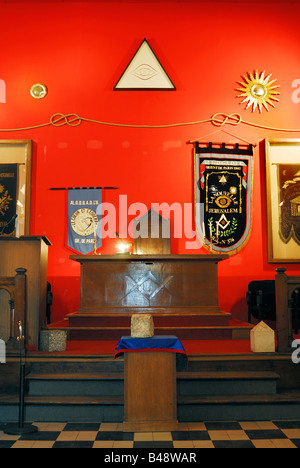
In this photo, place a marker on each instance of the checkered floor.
(265, 434)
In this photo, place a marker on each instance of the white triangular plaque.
(144, 72)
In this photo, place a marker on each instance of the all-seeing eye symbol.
(144, 72)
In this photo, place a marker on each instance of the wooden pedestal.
(150, 398)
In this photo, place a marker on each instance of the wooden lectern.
(150, 395)
(31, 253)
(150, 389)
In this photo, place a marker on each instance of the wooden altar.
(153, 284)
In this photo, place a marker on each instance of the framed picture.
(283, 200)
(144, 73)
(15, 187)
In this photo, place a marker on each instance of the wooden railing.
(285, 286)
(16, 288)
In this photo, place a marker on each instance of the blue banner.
(84, 220)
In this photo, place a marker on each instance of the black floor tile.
(6, 443)
(266, 434)
(103, 435)
(296, 442)
(41, 435)
(82, 427)
(190, 435)
(73, 444)
(287, 424)
(181, 435)
(233, 444)
(153, 444)
(223, 426)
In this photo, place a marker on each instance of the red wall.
(80, 49)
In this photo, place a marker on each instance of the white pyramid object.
(262, 339)
(144, 72)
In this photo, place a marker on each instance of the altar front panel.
(148, 283)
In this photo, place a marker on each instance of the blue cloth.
(162, 343)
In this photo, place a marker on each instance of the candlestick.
(95, 238)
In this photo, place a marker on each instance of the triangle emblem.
(144, 72)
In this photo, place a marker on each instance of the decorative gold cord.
(236, 119)
(218, 120)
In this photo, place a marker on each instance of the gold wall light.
(258, 91)
(38, 91)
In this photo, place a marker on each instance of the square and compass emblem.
(147, 287)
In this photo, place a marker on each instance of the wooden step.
(160, 320)
(76, 384)
(219, 377)
(76, 377)
(108, 408)
(227, 383)
(183, 333)
(188, 383)
(193, 326)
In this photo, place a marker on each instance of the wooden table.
(149, 283)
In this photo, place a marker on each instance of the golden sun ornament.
(258, 91)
